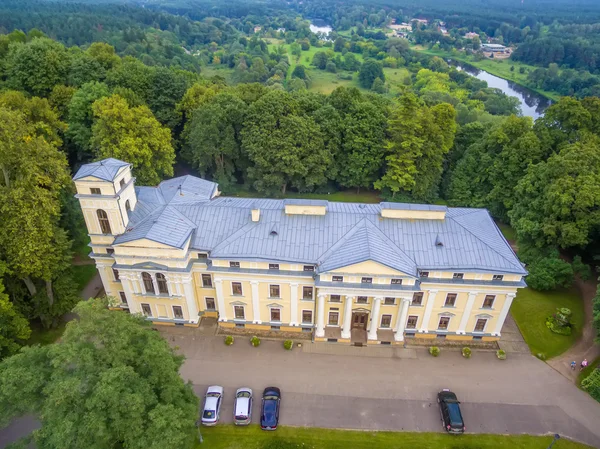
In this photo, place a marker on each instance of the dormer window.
(424, 274)
(458, 275)
(95, 191)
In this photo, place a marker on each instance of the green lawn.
(346, 196)
(42, 336)
(592, 365)
(83, 274)
(230, 437)
(498, 67)
(530, 310)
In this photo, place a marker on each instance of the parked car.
(242, 409)
(269, 412)
(212, 405)
(452, 419)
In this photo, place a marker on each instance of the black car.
(269, 412)
(450, 410)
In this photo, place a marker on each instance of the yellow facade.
(366, 301)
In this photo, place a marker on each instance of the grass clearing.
(251, 437)
(83, 274)
(530, 310)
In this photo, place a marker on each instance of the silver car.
(242, 409)
(212, 405)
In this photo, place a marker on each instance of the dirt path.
(585, 348)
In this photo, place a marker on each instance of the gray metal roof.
(301, 202)
(410, 206)
(182, 209)
(105, 169)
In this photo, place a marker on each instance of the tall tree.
(276, 139)
(133, 135)
(111, 382)
(14, 328)
(369, 71)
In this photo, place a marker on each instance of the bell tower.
(106, 193)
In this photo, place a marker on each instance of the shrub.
(255, 341)
(541, 356)
(229, 340)
(560, 322)
(583, 270)
(501, 354)
(591, 384)
(434, 351)
(466, 352)
(288, 344)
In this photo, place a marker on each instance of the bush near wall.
(591, 384)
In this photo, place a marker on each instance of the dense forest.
(159, 85)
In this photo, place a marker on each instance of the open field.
(230, 437)
(498, 67)
(530, 310)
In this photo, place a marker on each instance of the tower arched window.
(162, 283)
(127, 206)
(148, 284)
(104, 223)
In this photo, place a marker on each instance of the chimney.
(255, 213)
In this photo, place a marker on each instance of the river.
(532, 103)
(320, 26)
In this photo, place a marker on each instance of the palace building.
(376, 273)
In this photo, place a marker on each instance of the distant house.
(423, 21)
(443, 30)
(471, 35)
(494, 48)
(281, 30)
(257, 29)
(401, 27)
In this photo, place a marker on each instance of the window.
(104, 223)
(234, 264)
(110, 251)
(498, 277)
(417, 299)
(146, 310)
(123, 297)
(450, 300)
(202, 256)
(148, 284)
(210, 303)
(309, 268)
(443, 324)
(337, 278)
(240, 325)
(335, 298)
(366, 280)
(458, 275)
(389, 301)
(333, 318)
(95, 191)
(412, 322)
(307, 293)
(122, 183)
(396, 281)
(161, 280)
(480, 325)
(116, 274)
(273, 266)
(424, 274)
(362, 300)
(207, 280)
(307, 316)
(236, 288)
(488, 302)
(386, 320)
(275, 314)
(239, 312)
(274, 291)
(127, 206)
(178, 312)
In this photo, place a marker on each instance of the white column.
(467, 313)
(153, 276)
(428, 309)
(126, 283)
(255, 303)
(320, 332)
(347, 317)
(190, 297)
(505, 308)
(294, 304)
(401, 321)
(220, 300)
(375, 318)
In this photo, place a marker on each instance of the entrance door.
(359, 320)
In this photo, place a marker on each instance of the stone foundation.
(473, 344)
(271, 335)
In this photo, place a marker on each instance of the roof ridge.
(390, 241)
(485, 243)
(343, 239)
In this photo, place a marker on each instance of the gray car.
(242, 409)
(212, 405)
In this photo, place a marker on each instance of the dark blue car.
(269, 414)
